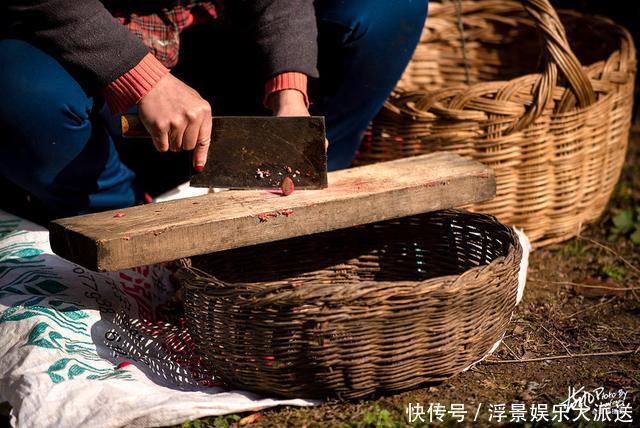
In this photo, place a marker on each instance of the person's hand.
(289, 102)
(177, 118)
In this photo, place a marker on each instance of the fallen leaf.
(252, 418)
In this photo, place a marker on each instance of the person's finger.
(175, 136)
(190, 137)
(160, 138)
(202, 146)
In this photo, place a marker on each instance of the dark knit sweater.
(84, 36)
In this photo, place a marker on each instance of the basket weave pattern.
(556, 138)
(372, 309)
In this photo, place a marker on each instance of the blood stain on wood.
(264, 217)
(119, 215)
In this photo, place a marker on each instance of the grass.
(374, 417)
(574, 248)
(226, 421)
(614, 271)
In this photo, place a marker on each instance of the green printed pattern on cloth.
(31, 289)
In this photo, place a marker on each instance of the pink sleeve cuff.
(288, 80)
(128, 89)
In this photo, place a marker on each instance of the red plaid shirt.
(160, 32)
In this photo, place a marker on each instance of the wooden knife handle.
(132, 127)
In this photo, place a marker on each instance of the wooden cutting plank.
(170, 230)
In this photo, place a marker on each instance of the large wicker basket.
(372, 309)
(508, 91)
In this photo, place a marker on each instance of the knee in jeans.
(35, 85)
(387, 19)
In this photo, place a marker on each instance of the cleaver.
(257, 152)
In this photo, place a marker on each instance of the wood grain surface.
(170, 230)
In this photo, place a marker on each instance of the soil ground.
(562, 314)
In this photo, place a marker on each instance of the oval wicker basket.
(508, 91)
(371, 309)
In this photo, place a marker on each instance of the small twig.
(612, 251)
(562, 357)
(577, 284)
(475, 369)
(559, 341)
(510, 350)
(588, 308)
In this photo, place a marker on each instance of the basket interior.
(409, 249)
(499, 45)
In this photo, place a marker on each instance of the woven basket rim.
(206, 283)
(395, 104)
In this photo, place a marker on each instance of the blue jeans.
(58, 144)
